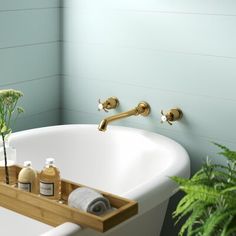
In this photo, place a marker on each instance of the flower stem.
(5, 159)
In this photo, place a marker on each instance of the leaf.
(226, 225)
(192, 220)
(217, 218)
(8, 133)
(231, 189)
(20, 110)
(186, 206)
(4, 129)
(179, 180)
(197, 231)
(202, 192)
(230, 155)
(231, 231)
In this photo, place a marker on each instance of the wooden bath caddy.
(54, 213)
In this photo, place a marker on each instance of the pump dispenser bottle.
(27, 178)
(50, 182)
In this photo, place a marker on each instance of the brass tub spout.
(143, 109)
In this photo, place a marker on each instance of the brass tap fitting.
(171, 115)
(110, 103)
(143, 109)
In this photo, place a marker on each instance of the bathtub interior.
(108, 161)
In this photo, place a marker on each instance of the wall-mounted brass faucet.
(171, 115)
(143, 109)
(110, 103)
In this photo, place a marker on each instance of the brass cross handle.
(171, 116)
(110, 103)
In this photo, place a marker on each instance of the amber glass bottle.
(50, 181)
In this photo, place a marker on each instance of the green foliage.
(210, 200)
(8, 102)
(8, 108)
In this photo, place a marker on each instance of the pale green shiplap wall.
(169, 53)
(30, 58)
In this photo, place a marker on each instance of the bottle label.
(46, 189)
(24, 186)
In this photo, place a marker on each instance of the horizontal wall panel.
(198, 147)
(6, 5)
(38, 120)
(202, 115)
(189, 74)
(180, 6)
(28, 27)
(39, 95)
(201, 34)
(28, 63)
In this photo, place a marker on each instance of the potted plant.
(209, 204)
(8, 112)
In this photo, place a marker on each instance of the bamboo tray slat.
(54, 213)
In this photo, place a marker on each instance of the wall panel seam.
(29, 45)
(28, 9)
(175, 12)
(39, 113)
(157, 12)
(150, 49)
(151, 87)
(33, 80)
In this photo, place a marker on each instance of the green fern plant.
(209, 204)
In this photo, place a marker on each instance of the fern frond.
(230, 155)
(196, 232)
(202, 192)
(210, 200)
(226, 168)
(231, 231)
(218, 217)
(200, 178)
(222, 180)
(227, 223)
(230, 189)
(179, 180)
(226, 174)
(217, 176)
(186, 206)
(192, 220)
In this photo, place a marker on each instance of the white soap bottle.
(27, 178)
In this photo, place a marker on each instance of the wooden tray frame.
(54, 213)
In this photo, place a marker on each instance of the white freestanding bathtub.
(129, 162)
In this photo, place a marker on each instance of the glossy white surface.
(125, 161)
(12, 223)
